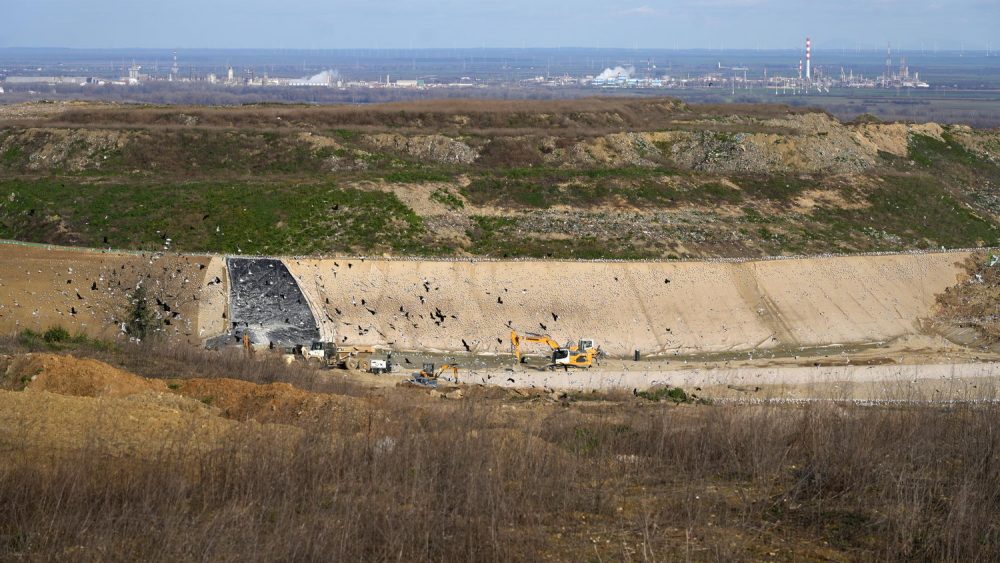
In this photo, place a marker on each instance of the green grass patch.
(448, 199)
(11, 156)
(674, 394)
(500, 237)
(416, 176)
(910, 212)
(929, 151)
(541, 188)
(57, 338)
(775, 188)
(207, 216)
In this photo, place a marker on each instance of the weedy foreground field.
(394, 473)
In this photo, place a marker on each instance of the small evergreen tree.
(142, 321)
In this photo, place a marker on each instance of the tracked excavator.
(579, 355)
(429, 376)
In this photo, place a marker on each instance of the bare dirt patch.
(66, 375)
(274, 403)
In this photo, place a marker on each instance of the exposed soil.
(66, 375)
(89, 291)
(278, 403)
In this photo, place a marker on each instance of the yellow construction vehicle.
(429, 376)
(348, 356)
(581, 354)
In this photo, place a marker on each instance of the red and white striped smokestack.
(809, 48)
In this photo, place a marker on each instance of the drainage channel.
(266, 302)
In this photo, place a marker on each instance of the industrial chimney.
(808, 59)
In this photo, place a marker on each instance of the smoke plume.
(618, 71)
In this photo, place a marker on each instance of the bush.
(29, 338)
(675, 394)
(56, 334)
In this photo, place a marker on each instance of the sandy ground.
(658, 308)
(51, 404)
(738, 322)
(86, 291)
(746, 377)
(213, 302)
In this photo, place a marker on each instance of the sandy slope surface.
(661, 309)
(658, 308)
(88, 291)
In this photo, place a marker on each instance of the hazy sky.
(501, 23)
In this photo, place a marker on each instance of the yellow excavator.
(429, 376)
(580, 355)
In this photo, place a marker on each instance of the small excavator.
(579, 355)
(429, 376)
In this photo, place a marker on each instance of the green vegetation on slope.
(205, 216)
(262, 181)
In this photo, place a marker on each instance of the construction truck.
(580, 355)
(349, 356)
(380, 362)
(429, 376)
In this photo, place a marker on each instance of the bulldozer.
(580, 355)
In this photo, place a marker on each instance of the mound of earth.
(53, 404)
(273, 403)
(66, 375)
(47, 427)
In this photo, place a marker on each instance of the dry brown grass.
(593, 115)
(497, 477)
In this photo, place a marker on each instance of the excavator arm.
(516, 340)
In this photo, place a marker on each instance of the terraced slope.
(597, 178)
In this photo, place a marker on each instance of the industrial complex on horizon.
(810, 78)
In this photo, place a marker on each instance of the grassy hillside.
(585, 179)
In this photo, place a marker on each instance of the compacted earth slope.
(658, 308)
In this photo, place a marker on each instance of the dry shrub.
(505, 152)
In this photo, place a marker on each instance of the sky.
(396, 24)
